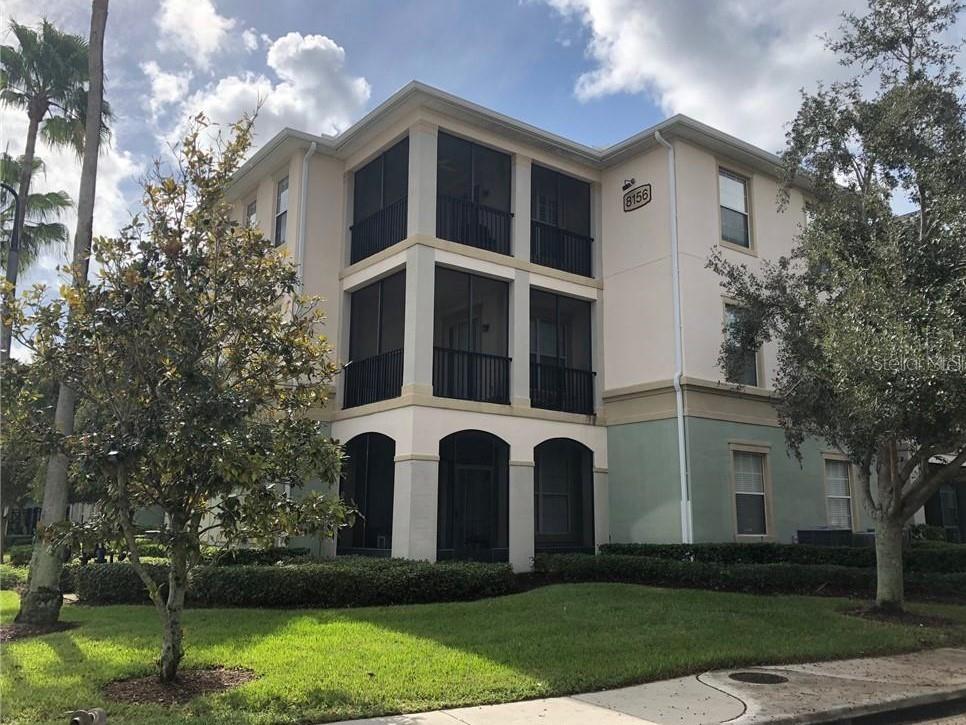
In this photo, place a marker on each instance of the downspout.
(687, 533)
(303, 212)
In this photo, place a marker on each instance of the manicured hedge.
(782, 578)
(257, 557)
(12, 577)
(346, 582)
(924, 559)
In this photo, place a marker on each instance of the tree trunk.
(171, 645)
(13, 254)
(41, 603)
(889, 595)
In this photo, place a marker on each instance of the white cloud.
(312, 90)
(735, 65)
(250, 39)
(166, 88)
(195, 28)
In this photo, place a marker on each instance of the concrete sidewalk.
(808, 693)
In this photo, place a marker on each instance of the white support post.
(521, 516)
(520, 339)
(601, 508)
(421, 219)
(418, 334)
(521, 207)
(414, 508)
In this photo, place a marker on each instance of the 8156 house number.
(637, 197)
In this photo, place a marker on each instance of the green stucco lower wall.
(645, 489)
(643, 478)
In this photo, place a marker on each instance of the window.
(472, 313)
(281, 211)
(749, 370)
(473, 173)
(382, 182)
(733, 195)
(749, 471)
(838, 490)
(559, 330)
(251, 218)
(563, 496)
(560, 201)
(377, 320)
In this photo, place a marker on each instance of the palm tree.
(40, 230)
(45, 75)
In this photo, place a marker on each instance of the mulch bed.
(190, 684)
(907, 618)
(12, 631)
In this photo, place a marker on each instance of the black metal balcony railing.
(475, 225)
(379, 231)
(555, 247)
(471, 375)
(373, 378)
(555, 387)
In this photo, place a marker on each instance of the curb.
(853, 712)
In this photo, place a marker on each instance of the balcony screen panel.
(543, 328)
(574, 205)
(451, 323)
(364, 323)
(492, 178)
(543, 196)
(396, 173)
(454, 167)
(393, 312)
(367, 190)
(490, 309)
(575, 333)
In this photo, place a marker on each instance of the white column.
(521, 516)
(521, 207)
(422, 180)
(418, 338)
(601, 508)
(597, 351)
(520, 339)
(414, 508)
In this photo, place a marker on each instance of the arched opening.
(367, 482)
(563, 491)
(473, 497)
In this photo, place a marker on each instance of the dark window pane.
(451, 321)
(364, 323)
(396, 181)
(575, 346)
(393, 312)
(563, 495)
(543, 195)
(749, 370)
(734, 227)
(543, 328)
(368, 483)
(281, 222)
(454, 164)
(751, 513)
(491, 170)
(490, 310)
(367, 191)
(574, 205)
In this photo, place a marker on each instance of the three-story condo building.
(529, 334)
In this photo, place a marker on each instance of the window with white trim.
(838, 492)
(733, 197)
(251, 218)
(749, 368)
(281, 211)
(749, 469)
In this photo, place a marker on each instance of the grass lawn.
(318, 665)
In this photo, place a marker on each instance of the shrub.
(12, 577)
(926, 532)
(949, 559)
(256, 557)
(20, 555)
(344, 582)
(779, 578)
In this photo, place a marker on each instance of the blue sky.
(596, 71)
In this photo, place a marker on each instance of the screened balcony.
(473, 195)
(561, 377)
(380, 203)
(560, 222)
(470, 338)
(376, 328)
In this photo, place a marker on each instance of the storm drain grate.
(758, 678)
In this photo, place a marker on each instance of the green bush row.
(781, 578)
(924, 559)
(12, 577)
(20, 554)
(344, 582)
(256, 557)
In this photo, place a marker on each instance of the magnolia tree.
(197, 363)
(869, 311)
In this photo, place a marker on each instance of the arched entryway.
(473, 517)
(367, 482)
(563, 491)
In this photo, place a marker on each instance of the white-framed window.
(749, 369)
(733, 198)
(838, 493)
(281, 210)
(251, 213)
(750, 504)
